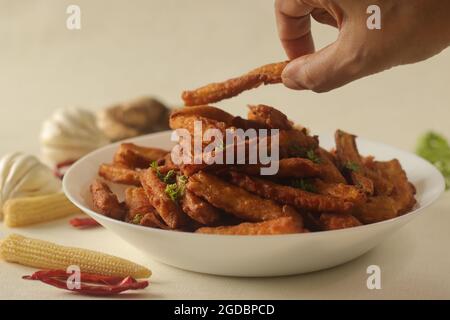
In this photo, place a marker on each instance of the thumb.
(324, 70)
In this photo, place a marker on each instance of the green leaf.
(175, 191)
(311, 155)
(352, 166)
(169, 177)
(435, 148)
(137, 218)
(303, 184)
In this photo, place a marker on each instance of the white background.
(126, 49)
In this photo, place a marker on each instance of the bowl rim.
(66, 179)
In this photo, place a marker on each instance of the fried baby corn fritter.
(334, 221)
(404, 191)
(287, 168)
(269, 117)
(234, 200)
(105, 201)
(298, 198)
(132, 156)
(283, 225)
(199, 210)
(119, 174)
(140, 211)
(168, 210)
(329, 171)
(267, 74)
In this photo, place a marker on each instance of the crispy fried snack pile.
(313, 190)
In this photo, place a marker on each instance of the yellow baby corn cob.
(30, 210)
(46, 255)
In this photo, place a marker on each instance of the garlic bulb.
(70, 134)
(24, 175)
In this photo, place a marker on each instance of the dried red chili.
(83, 223)
(58, 171)
(90, 284)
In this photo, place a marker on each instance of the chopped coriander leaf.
(154, 166)
(435, 148)
(169, 177)
(311, 155)
(137, 218)
(297, 151)
(352, 166)
(176, 190)
(172, 191)
(303, 184)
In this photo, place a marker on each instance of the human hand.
(411, 31)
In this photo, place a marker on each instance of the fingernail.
(288, 76)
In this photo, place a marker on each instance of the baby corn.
(30, 210)
(46, 255)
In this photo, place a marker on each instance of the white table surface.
(127, 49)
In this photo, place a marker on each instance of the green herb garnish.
(435, 148)
(137, 218)
(154, 166)
(352, 166)
(303, 184)
(297, 151)
(311, 155)
(176, 190)
(169, 177)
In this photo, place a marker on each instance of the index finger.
(294, 27)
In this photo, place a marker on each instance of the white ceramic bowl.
(254, 256)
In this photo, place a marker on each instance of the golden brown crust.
(267, 74)
(287, 168)
(404, 191)
(283, 225)
(119, 174)
(342, 191)
(376, 209)
(334, 221)
(132, 156)
(106, 202)
(233, 199)
(269, 117)
(199, 210)
(298, 198)
(168, 210)
(138, 204)
(329, 171)
(292, 142)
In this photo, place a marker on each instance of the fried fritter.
(342, 191)
(334, 221)
(199, 210)
(106, 202)
(298, 198)
(168, 210)
(404, 191)
(329, 171)
(233, 199)
(283, 225)
(376, 209)
(119, 174)
(269, 117)
(139, 207)
(287, 168)
(133, 156)
(267, 74)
